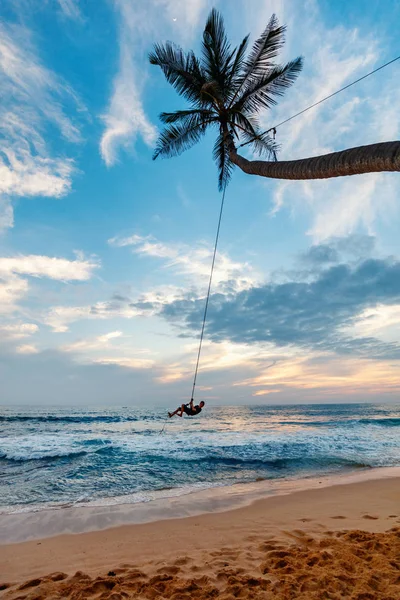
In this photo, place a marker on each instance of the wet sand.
(334, 542)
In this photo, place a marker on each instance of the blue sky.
(104, 254)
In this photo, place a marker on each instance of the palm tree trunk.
(354, 161)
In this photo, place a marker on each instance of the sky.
(105, 254)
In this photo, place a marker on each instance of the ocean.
(58, 457)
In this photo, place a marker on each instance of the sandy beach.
(341, 541)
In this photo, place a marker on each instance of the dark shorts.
(189, 412)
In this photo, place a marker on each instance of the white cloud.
(193, 264)
(14, 272)
(70, 9)
(27, 349)
(128, 363)
(328, 376)
(6, 214)
(139, 23)
(191, 261)
(97, 343)
(185, 14)
(12, 289)
(349, 204)
(364, 114)
(17, 331)
(12, 333)
(91, 350)
(60, 269)
(222, 356)
(381, 322)
(60, 317)
(126, 118)
(32, 98)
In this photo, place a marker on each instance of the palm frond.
(262, 92)
(238, 61)
(224, 164)
(216, 50)
(265, 48)
(249, 130)
(175, 139)
(182, 71)
(184, 117)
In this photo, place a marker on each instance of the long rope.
(323, 100)
(209, 290)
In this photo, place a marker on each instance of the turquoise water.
(51, 457)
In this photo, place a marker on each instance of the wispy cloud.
(11, 335)
(107, 349)
(70, 9)
(128, 363)
(325, 376)
(191, 261)
(16, 331)
(15, 271)
(335, 56)
(32, 98)
(12, 289)
(138, 23)
(60, 317)
(27, 349)
(219, 357)
(99, 342)
(126, 118)
(60, 269)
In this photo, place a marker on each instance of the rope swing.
(208, 291)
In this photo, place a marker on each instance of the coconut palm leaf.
(182, 71)
(186, 116)
(221, 158)
(262, 91)
(224, 88)
(237, 64)
(262, 143)
(174, 139)
(265, 49)
(216, 50)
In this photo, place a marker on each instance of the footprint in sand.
(170, 570)
(182, 560)
(339, 517)
(370, 517)
(30, 583)
(269, 545)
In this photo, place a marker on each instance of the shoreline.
(278, 540)
(21, 527)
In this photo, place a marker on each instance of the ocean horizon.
(58, 457)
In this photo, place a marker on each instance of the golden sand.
(325, 544)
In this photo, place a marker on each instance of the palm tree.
(227, 90)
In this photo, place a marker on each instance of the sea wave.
(18, 456)
(176, 460)
(88, 419)
(72, 418)
(51, 449)
(386, 422)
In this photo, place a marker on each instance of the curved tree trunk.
(354, 161)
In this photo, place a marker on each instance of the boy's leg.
(179, 411)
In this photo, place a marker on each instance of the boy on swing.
(188, 409)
